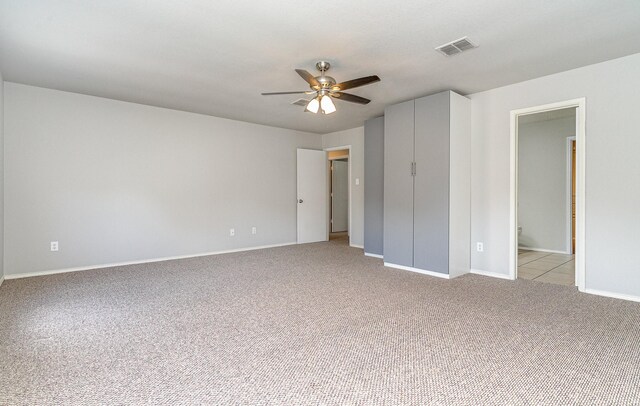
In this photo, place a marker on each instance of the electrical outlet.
(232, 232)
(254, 230)
(54, 245)
(480, 247)
(357, 181)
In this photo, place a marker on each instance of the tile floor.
(546, 267)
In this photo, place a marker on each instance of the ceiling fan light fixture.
(313, 106)
(327, 104)
(324, 88)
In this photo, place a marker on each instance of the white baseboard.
(422, 271)
(357, 246)
(491, 274)
(613, 295)
(544, 250)
(368, 254)
(144, 261)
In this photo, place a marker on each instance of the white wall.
(116, 182)
(355, 138)
(542, 184)
(612, 169)
(1, 179)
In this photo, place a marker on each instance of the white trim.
(513, 195)
(368, 254)
(422, 271)
(357, 246)
(544, 250)
(580, 105)
(350, 158)
(581, 149)
(568, 194)
(491, 274)
(613, 295)
(144, 261)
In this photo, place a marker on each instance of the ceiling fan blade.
(274, 93)
(350, 84)
(350, 98)
(309, 78)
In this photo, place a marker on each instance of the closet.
(427, 185)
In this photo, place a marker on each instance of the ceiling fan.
(324, 88)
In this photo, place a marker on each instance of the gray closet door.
(431, 192)
(398, 183)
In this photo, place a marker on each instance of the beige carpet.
(318, 324)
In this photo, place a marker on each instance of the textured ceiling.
(216, 57)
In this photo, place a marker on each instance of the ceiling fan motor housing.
(326, 81)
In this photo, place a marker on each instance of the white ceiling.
(216, 56)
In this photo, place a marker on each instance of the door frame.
(349, 228)
(569, 194)
(580, 105)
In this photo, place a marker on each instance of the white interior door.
(312, 196)
(340, 196)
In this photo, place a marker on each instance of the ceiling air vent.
(456, 47)
(300, 102)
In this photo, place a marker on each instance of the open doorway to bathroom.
(547, 187)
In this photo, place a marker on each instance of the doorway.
(339, 196)
(547, 193)
(545, 251)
